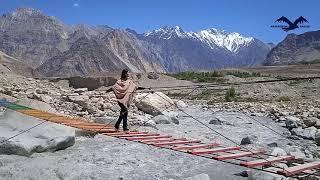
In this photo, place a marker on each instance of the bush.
(230, 95)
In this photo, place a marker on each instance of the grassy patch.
(243, 74)
(214, 76)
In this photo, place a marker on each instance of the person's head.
(124, 74)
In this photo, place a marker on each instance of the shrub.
(230, 95)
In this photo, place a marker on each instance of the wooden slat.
(92, 127)
(146, 138)
(135, 135)
(28, 111)
(215, 150)
(86, 124)
(298, 169)
(269, 161)
(124, 132)
(195, 147)
(175, 142)
(151, 141)
(102, 130)
(236, 155)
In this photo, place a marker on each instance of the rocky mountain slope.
(296, 48)
(56, 49)
(9, 65)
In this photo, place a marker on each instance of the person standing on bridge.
(124, 89)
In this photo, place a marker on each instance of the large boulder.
(310, 121)
(44, 137)
(79, 99)
(307, 133)
(154, 103)
(163, 119)
(293, 122)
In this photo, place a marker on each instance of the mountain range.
(303, 48)
(54, 49)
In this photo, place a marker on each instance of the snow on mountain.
(212, 37)
(168, 32)
(231, 41)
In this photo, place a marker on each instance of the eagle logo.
(291, 26)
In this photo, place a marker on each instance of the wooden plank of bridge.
(31, 111)
(92, 127)
(101, 130)
(135, 135)
(195, 147)
(176, 142)
(215, 150)
(146, 138)
(124, 132)
(86, 124)
(151, 141)
(237, 155)
(268, 161)
(300, 168)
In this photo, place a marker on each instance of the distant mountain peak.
(26, 11)
(212, 37)
(167, 32)
(231, 41)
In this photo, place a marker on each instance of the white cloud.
(75, 5)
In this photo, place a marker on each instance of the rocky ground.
(248, 120)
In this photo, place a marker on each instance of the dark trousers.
(123, 116)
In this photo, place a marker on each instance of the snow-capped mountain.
(216, 48)
(212, 37)
(231, 41)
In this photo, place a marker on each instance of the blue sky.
(248, 17)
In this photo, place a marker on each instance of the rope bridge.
(254, 159)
